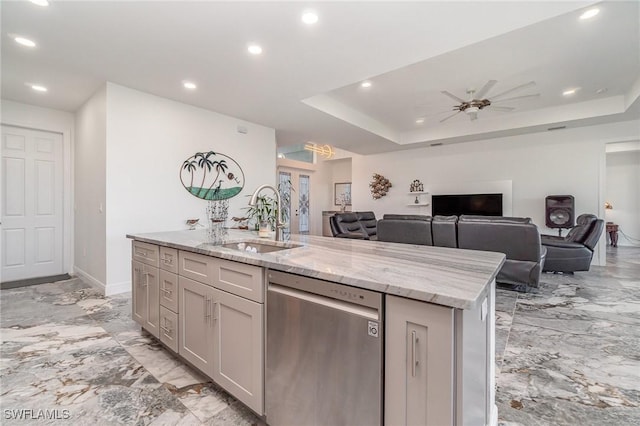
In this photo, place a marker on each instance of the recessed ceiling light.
(40, 2)
(590, 13)
(309, 17)
(601, 90)
(420, 121)
(38, 88)
(365, 84)
(189, 85)
(25, 41)
(254, 49)
(569, 92)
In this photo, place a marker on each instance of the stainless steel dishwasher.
(324, 353)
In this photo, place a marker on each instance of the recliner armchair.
(346, 225)
(354, 225)
(573, 252)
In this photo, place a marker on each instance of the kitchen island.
(437, 324)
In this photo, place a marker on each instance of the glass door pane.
(284, 187)
(303, 204)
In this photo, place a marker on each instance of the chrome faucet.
(280, 224)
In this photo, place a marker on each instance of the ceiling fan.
(478, 102)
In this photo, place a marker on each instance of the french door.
(295, 187)
(32, 204)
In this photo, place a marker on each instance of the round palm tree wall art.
(212, 176)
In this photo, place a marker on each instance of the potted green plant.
(263, 214)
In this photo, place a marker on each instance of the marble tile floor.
(568, 354)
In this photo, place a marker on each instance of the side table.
(612, 229)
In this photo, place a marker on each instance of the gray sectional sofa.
(517, 238)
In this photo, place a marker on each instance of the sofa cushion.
(494, 219)
(444, 232)
(579, 233)
(348, 226)
(368, 222)
(518, 240)
(398, 229)
(407, 217)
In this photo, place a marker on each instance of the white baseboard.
(90, 279)
(118, 288)
(107, 290)
(493, 421)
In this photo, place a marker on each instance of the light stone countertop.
(451, 277)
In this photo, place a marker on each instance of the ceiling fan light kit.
(477, 101)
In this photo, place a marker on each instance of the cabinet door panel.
(419, 363)
(197, 267)
(238, 346)
(169, 259)
(239, 279)
(152, 286)
(169, 290)
(169, 328)
(138, 294)
(145, 253)
(195, 322)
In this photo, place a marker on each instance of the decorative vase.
(263, 229)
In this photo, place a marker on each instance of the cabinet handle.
(167, 331)
(215, 305)
(167, 260)
(165, 291)
(414, 356)
(207, 308)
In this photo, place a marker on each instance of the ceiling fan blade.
(480, 93)
(522, 86)
(517, 97)
(454, 97)
(448, 117)
(500, 108)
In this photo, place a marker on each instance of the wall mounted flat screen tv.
(475, 204)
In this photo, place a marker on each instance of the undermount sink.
(262, 247)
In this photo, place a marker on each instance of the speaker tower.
(559, 211)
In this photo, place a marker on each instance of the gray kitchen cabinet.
(238, 362)
(238, 278)
(169, 328)
(169, 290)
(145, 296)
(419, 363)
(169, 259)
(195, 320)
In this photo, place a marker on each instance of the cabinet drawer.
(239, 279)
(169, 328)
(169, 290)
(196, 266)
(146, 253)
(169, 259)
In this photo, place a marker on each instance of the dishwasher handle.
(351, 308)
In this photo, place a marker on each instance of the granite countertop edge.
(414, 278)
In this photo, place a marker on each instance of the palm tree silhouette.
(221, 167)
(189, 166)
(205, 164)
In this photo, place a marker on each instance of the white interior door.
(299, 193)
(32, 204)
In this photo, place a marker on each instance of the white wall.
(623, 192)
(51, 120)
(561, 162)
(90, 189)
(148, 138)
